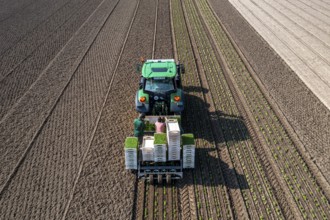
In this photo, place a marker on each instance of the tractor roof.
(159, 68)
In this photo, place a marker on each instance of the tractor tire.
(160, 179)
(151, 179)
(168, 179)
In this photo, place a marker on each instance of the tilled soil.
(68, 82)
(112, 196)
(54, 154)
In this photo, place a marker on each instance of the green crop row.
(295, 172)
(203, 192)
(217, 86)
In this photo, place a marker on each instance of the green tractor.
(160, 90)
(160, 156)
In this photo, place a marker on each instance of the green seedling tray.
(188, 139)
(131, 142)
(160, 138)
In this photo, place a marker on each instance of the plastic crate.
(174, 153)
(160, 152)
(188, 156)
(148, 148)
(131, 159)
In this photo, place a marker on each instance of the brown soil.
(48, 150)
(67, 85)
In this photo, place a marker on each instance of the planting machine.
(160, 156)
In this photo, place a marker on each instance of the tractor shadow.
(220, 127)
(213, 127)
(211, 170)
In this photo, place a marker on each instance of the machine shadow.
(212, 171)
(209, 167)
(228, 127)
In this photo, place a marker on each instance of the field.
(67, 88)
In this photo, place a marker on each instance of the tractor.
(160, 155)
(160, 89)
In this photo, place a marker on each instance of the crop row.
(255, 187)
(211, 196)
(307, 194)
(231, 136)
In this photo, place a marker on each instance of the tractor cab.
(160, 91)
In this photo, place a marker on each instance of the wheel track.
(200, 196)
(280, 135)
(208, 99)
(141, 199)
(158, 209)
(148, 208)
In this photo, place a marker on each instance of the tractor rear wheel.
(168, 179)
(160, 179)
(151, 179)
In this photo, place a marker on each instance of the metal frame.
(144, 171)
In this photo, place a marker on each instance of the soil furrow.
(21, 24)
(14, 56)
(113, 127)
(42, 183)
(20, 127)
(25, 75)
